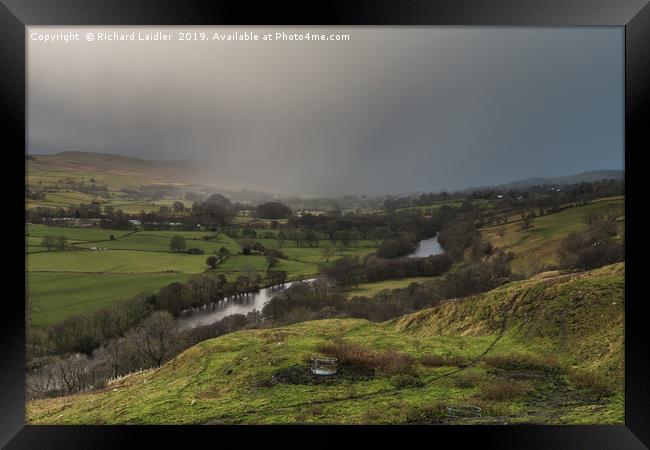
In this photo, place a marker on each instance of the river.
(237, 304)
(243, 304)
(427, 247)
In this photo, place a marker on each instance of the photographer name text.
(161, 36)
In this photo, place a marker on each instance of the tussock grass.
(504, 390)
(404, 380)
(592, 383)
(468, 380)
(489, 409)
(442, 361)
(547, 364)
(310, 414)
(426, 414)
(389, 362)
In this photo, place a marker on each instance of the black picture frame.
(633, 15)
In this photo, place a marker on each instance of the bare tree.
(211, 261)
(61, 242)
(223, 253)
(378, 234)
(178, 207)
(177, 243)
(29, 311)
(156, 336)
(71, 371)
(112, 328)
(243, 283)
(39, 381)
(49, 242)
(526, 224)
(327, 251)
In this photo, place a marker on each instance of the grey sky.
(391, 110)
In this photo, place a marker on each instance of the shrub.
(390, 362)
(403, 380)
(426, 414)
(468, 380)
(248, 233)
(262, 381)
(523, 362)
(442, 361)
(194, 251)
(591, 383)
(377, 269)
(396, 247)
(490, 409)
(272, 210)
(395, 362)
(310, 413)
(275, 253)
(504, 390)
(177, 243)
(211, 261)
(600, 244)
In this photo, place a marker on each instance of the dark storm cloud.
(392, 110)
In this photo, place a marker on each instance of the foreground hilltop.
(548, 349)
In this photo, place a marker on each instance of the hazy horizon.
(393, 110)
(197, 164)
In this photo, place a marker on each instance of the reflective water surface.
(243, 304)
(427, 247)
(240, 304)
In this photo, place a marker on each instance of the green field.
(541, 243)
(80, 280)
(243, 263)
(151, 241)
(297, 269)
(370, 289)
(427, 208)
(57, 296)
(127, 206)
(115, 261)
(55, 173)
(564, 324)
(74, 234)
(62, 198)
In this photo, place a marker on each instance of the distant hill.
(588, 176)
(167, 171)
(117, 170)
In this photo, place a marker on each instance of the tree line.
(324, 298)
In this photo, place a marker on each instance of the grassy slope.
(541, 243)
(579, 318)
